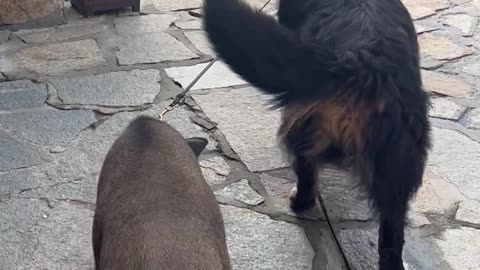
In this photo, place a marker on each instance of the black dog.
(347, 75)
(154, 208)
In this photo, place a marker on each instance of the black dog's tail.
(272, 57)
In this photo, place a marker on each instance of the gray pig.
(154, 209)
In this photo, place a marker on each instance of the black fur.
(346, 61)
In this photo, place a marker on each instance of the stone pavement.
(70, 90)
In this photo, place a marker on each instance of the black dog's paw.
(299, 204)
(391, 261)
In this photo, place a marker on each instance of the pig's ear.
(197, 144)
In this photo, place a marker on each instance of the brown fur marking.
(336, 122)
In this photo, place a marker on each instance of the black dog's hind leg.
(303, 196)
(397, 174)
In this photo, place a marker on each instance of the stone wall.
(16, 14)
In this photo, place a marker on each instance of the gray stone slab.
(215, 169)
(473, 119)
(444, 84)
(468, 211)
(241, 191)
(472, 69)
(200, 41)
(219, 75)
(455, 157)
(21, 94)
(429, 200)
(4, 36)
(62, 33)
(14, 181)
(463, 22)
(360, 248)
(452, 249)
(247, 123)
(17, 154)
(416, 220)
(446, 109)
(441, 47)
(151, 48)
(342, 200)
(58, 58)
(461, 248)
(275, 186)
(133, 25)
(69, 226)
(17, 218)
(122, 88)
(80, 189)
(421, 252)
(46, 126)
(256, 241)
(18, 215)
(44, 238)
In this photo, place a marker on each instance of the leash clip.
(167, 109)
